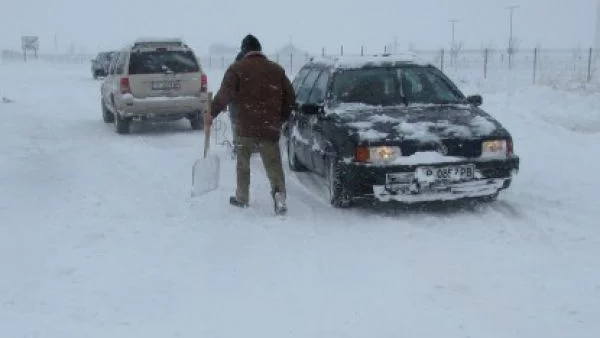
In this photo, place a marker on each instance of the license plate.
(446, 174)
(397, 181)
(166, 85)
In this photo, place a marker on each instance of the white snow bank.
(85, 255)
(578, 111)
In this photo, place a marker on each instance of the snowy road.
(99, 237)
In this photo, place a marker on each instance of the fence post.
(362, 50)
(210, 62)
(291, 62)
(342, 50)
(323, 51)
(535, 55)
(442, 60)
(384, 49)
(590, 55)
(485, 63)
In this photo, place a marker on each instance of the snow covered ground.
(99, 237)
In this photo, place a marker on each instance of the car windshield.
(163, 62)
(393, 86)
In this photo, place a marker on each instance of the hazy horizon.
(422, 24)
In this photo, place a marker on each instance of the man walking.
(263, 96)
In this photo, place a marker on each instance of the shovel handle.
(207, 130)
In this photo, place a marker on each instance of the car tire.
(338, 195)
(122, 124)
(196, 122)
(107, 115)
(293, 162)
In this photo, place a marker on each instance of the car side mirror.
(312, 108)
(475, 100)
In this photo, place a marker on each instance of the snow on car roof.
(143, 40)
(369, 60)
(150, 42)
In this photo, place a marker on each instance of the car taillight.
(509, 147)
(361, 154)
(203, 83)
(124, 85)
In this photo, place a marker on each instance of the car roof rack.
(158, 42)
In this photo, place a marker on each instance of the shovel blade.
(205, 175)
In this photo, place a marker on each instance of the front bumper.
(370, 182)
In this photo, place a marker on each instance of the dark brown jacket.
(262, 94)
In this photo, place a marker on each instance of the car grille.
(460, 148)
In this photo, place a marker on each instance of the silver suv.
(159, 80)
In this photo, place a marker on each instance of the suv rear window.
(156, 62)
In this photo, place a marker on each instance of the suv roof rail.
(153, 42)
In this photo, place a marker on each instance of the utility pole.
(511, 42)
(453, 46)
(597, 35)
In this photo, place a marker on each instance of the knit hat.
(250, 44)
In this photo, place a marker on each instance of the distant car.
(101, 63)
(154, 79)
(390, 128)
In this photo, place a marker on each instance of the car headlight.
(494, 148)
(378, 154)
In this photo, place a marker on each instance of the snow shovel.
(205, 171)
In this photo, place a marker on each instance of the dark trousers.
(271, 158)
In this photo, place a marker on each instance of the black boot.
(233, 201)
(279, 203)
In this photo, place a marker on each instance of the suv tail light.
(124, 85)
(203, 83)
(509, 147)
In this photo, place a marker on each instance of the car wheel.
(291, 155)
(107, 116)
(338, 196)
(196, 122)
(122, 124)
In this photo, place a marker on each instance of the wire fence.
(540, 66)
(536, 65)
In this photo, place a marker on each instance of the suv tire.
(107, 116)
(122, 124)
(196, 121)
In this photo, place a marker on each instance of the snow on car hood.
(422, 123)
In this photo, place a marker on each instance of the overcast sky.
(310, 24)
